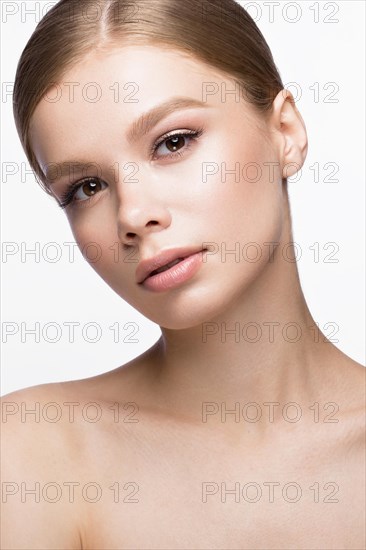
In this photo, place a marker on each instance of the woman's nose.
(139, 213)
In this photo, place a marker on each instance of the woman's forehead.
(130, 79)
(141, 62)
(125, 83)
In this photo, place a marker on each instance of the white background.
(307, 52)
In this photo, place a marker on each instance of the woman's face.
(218, 188)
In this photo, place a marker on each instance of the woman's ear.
(286, 120)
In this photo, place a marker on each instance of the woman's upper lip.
(145, 267)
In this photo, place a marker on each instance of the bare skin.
(166, 448)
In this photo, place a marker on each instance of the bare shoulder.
(38, 428)
(54, 438)
(344, 402)
(342, 380)
(351, 378)
(52, 441)
(31, 411)
(57, 419)
(349, 446)
(353, 399)
(53, 412)
(35, 454)
(347, 389)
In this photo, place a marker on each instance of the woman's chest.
(174, 493)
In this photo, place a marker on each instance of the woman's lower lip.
(176, 275)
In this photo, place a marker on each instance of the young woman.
(243, 426)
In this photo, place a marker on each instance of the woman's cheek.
(248, 189)
(93, 242)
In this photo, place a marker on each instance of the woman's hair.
(218, 32)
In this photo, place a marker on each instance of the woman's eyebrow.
(144, 124)
(139, 128)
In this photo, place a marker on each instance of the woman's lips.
(175, 275)
(146, 267)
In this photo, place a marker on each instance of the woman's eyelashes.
(88, 186)
(175, 144)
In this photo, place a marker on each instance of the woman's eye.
(82, 192)
(174, 144)
(89, 189)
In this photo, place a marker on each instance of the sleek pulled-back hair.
(218, 32)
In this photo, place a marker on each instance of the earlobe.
(291, 127)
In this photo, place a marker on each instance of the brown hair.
(218, 32)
